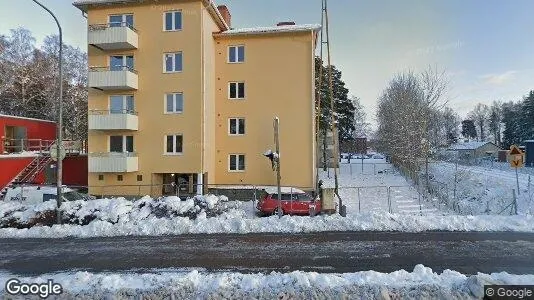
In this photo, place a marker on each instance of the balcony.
(113, 78)
(115, 36)
(111, 162)
(113, 120)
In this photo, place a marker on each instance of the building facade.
(178, 97)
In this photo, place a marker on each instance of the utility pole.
(59, 137)
(278, 176)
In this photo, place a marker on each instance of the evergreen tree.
(343, 106)
(527, 117)
(512, 129)
(468, 129)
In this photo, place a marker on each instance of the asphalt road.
(332, 252)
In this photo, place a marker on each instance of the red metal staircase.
(28, 174)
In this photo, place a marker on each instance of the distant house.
(475, 150)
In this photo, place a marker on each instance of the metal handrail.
(112, 112)
(26, 144)
(104, 26)
(109, 68)
(113, 154)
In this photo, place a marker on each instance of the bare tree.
(495, 121)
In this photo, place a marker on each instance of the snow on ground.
(236, 221)
(421, 283)
(482, 190)
(171, 215)
(376, 187)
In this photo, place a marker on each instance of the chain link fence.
(474, 190)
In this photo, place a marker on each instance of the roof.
(469, 145)
(212, 8)
(24, 118)
(271, 30)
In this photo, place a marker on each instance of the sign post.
(516, 158)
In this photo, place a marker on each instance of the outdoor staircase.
(28, 174)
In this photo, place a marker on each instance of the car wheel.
(275, 212)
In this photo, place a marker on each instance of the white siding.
(113, 38)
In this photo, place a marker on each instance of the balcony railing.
(113, 78)
(113, 36)
(124, 119)
(113, 162)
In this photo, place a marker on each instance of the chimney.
(285, 23)
(225, 13)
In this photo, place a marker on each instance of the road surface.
(332, 252)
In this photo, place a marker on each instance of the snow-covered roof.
(212, 8)
(24, 118)
(468, 145)
(271, 30)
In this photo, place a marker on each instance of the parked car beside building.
(293, 201)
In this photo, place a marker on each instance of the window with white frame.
(236, 162)
(174, 144)
(121, 104)
(236, 126)
(172, 62)
(121, 62)
(121, 144)
(125, 20)
(236, 54)
(172, 20)
(236, 90)
(174, 103)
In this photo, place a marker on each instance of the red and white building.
(25, 157)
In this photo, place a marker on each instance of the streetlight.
(59, 137)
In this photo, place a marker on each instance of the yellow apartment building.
(178, 96)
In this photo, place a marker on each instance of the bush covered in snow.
(116, 210)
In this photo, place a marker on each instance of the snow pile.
(422, 283)
(113, 211)
(15, 214)
(141, 223)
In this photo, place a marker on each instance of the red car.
(294, 202)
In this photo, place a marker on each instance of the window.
(119, 143)
(121, 20)
(139, 177)
(49, 197)
(237, 162)
(174, 103)
(121, 62)
(286, 197)
(173, 21)
(172, 62)
(174, 144)
(236, 90)
(236, 126)
(119, 178)
(236, 54)
(101, 177)
(121, 104)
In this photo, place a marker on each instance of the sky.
(486, 47)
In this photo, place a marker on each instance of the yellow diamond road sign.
(516, 157)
